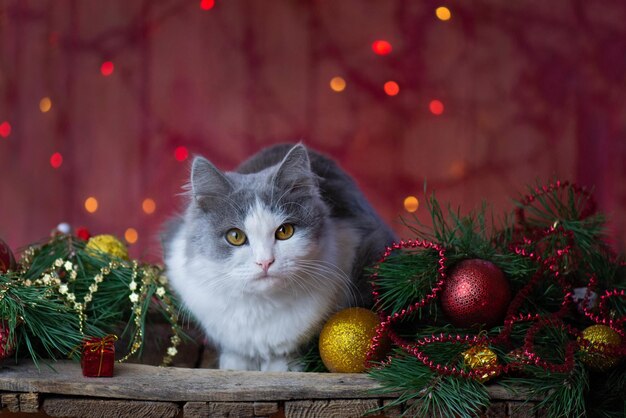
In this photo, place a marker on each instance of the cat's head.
(261, 231)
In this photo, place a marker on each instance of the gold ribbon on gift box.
(101, 345)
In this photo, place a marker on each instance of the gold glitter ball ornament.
(478, 358)
(108, 244)
(346, 338)
(599, 337)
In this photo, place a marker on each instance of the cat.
(263, 255)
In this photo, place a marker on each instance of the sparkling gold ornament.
(108, 244)
(345, 340)
(599, 337)
(480, 357)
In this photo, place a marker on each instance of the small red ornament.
(7, 342)
(475, 292)
(83, 233)
(98, 356)
(7, 261)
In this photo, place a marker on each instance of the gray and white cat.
(263, 255)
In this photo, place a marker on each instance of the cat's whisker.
(351, 292)
(319, 272)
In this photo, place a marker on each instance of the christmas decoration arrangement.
(68, 296)
(537, 305)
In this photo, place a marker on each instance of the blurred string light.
(392, 88)
(56, 160)
(148, 206)
(181, 153)
(458, 169)
(381, 47)
(411, 203)
(131, 236)
(45, 105)
(91, 204)
(107, 68)
(443, 13)
(5, 129)
(436, 107)
(207, 4)
(338, 84)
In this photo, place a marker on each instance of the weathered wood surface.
(29, 402)
(351, 408)
(101, 408)
(142, 382)
(11, 401)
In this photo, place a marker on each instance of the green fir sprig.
(66, 291)
(27, 313)
(558, 223)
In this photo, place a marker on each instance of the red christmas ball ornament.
(7, 345)
(83, 233)
(7, 261)
(475, 293)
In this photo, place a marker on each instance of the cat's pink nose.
(265, 264)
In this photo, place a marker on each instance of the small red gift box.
(98, 356)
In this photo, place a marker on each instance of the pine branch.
(28, 312)
(562, 394)
(426, 393)
(558, 224)
(80, 292)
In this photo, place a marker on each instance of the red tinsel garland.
(546, 263)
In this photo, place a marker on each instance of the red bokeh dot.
(207, 4)
(5, 129)
(83, 233)
(107, 68)
(181, 153)
(381, 47)
(56, 160)
(392, 88)
(436, 107)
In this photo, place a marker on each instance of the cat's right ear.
(207, 181)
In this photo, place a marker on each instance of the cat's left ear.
(295, 169)
(207, 182)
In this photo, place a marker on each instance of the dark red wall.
(532, 90)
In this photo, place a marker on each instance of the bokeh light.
(443, 13)
(5, 129)
(411, 203)
(392, 88)
(107, 68)
(458, 169)
(91, 204)
(436, 107)
(131, 236)
(207, 4)
(45, 104)
(148, 206)
(181, 153)
(56, 160)
(338, 84)
(381, 47)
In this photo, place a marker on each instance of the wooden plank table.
(138, 390)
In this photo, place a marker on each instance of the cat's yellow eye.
(285, 231)
(236, 237)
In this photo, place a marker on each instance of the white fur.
(259, 321)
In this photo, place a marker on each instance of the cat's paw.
(233, 361)
(275, 364)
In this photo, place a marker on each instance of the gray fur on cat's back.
(345, 201)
